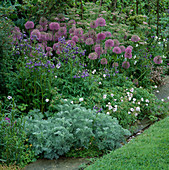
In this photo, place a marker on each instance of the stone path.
(74, 163)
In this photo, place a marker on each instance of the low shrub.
(73, 127)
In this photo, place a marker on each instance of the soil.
(73, 163)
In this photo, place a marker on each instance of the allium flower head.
(130, 47)
(108, 34)
(98, 50)
(54, 26)
(29, 25)
(126, 64)
(101, 22)
(103, 61)
(117, 50)
(48, 37)
(43, 36)
(135, 38)
(109, 43)
(115, 64)
(128, 55)
(93, 56)
(62, 31)
(43, 21)
(75, 38)
(158, 60)
(56, 46)
(78, 32)
(48, 49)
(135, 81)
(39, 27)
(93, 24)
(71, 30)
(122, 48)
(101, 36)
(36, 33)
(116, 43)
(71, 42)
(128, 50)
(89, 41)
(60, 17)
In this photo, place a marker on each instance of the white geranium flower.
(107, 113)
(129, 113)
(132, 89)
(138, 109)
(134, 99)
(162, 100)
(104, 96)
(46, 100)
(138, 103)
(80, 99)
(135, 62)
(71, 102)
(142, 99)
(115, 99)
(157, 91)
(65, 99)
(146, 104)
(100, 83)
(115, 109)
(147, 100)
(155, 86)
(115, 106)
(104, 75)
(93, 71)
(9, 97)
(168, 97)
(136, 45)
(110, 107)
(56, 76)
(136, 114)
(132, 109)
(135, 57)
(112, 94)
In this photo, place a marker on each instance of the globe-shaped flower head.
(54, 26)
(93, 56)
(93, 24)
(89, 41)
(109, 43)
(126, 64)
(43, 21)
(135, 38)
(103, 61)
(101, 36)
(100, 22)
(157, 60)
(29, 25)
(117, 50)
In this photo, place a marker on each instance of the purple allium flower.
(98, 50)
(71, 22)
(43, 21)
(108, 34)
(116, 43)
(103, 61)
(109, 43)
(158, 60)
(49, 37)
(128, 50)
(39, 27)
(62, 31)
(126, 64)
(71, 30)
(43, 36)
(122, 48)
(101, 36)
(89, 41)
(93, 56)
(135, 38)
(71, 42)
(128, 55)
(29, 25)
(115, 64)
(60, 17)
(48, 49)
(93, 24)
(100, 22)
(54, 26)
(75, 38)
(78, 32)
(117, 50)
(130, 47)
(56, 46)
(36, 33)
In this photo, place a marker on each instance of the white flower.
(164, 56)
(138, 109)
(135, 62)
(132, 109)
(142, 99)
(134, 99)
(110, 107)
(155, 37)
(133, 102)
(104, 75)
(80, 99)
(58, 65)
(129, 113)
(164, 40)
(155, 86)
(115, 109)
(140, 87)
(136, 114)
(168, 97)
(136, 45)
(93, 71)
(107, 113)
(56, 76)
(146, 104)
(104, 96)
(157, 91)
(65, 99)
(109, 103)
(159, 42)
(147, 100)
(9, 97)
(115, 106)
(115, 99)
(130, 98)
(121, 100)
(71, 102)
(46, 100)
(135, 57)
(112, 95)
(100, 83)
(162, 100)
(138, 103)
(132, 89)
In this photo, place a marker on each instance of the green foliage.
(147, 151)
(73, 127)
(13, 140)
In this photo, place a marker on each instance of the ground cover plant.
(148, 151)
(103, 71)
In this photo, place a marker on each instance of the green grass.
(149, 151)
